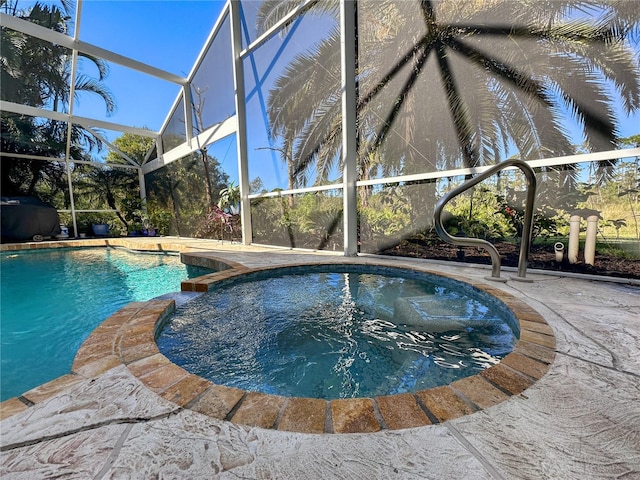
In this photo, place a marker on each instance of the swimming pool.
(339, 332)
(51, 300)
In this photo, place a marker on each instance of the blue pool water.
(51, 300)
(359, 332)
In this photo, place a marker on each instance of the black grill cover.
(23, 218)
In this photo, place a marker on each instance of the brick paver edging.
(128, 337)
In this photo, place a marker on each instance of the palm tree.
(448, 84)
(99, 185)
(37, 73)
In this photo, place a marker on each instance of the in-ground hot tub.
(339, 331)
(130, 338)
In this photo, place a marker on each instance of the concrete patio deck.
(579, 421)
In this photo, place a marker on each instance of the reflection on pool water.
(356, 332)
(51, 300)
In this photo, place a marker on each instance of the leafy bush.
(545, 223)
(217, 224)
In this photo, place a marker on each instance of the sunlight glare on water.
(51, 300)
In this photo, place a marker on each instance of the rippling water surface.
(338, 335)
(51, 300)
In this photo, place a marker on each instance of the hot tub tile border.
(479, 392)
(442, 404)
(304, 415)
(402, 411)
(128, 338)
(361, 415)
(354, 415)
(218, 401)
(507, 379)
(535, 369)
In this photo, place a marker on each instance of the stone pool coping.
(128, 338)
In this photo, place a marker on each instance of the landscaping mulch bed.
(540, 257)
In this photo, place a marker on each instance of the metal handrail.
(478, 242)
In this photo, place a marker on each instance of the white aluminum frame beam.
(349, 120)
(297, 191)
(543, 162)
(209, 136)
(67, 154)
(61, 39)
(188, 113)
(65, 117)
(241, 122)
(71, 160)
(117, 150)
(299, 10)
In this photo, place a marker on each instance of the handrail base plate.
(497, 279)
(522, 279)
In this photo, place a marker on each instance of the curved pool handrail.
(478, 242)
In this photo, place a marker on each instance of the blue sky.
(166, 34)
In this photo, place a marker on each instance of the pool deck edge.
(580, 419)
(128, 338)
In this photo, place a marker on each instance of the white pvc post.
(558, 247)
(590, 242)
(574, 238)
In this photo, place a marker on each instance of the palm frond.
(85, 83)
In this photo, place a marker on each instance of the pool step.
(438, 313)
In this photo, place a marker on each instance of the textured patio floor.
(580, 421)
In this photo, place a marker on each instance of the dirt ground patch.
(540, 257)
